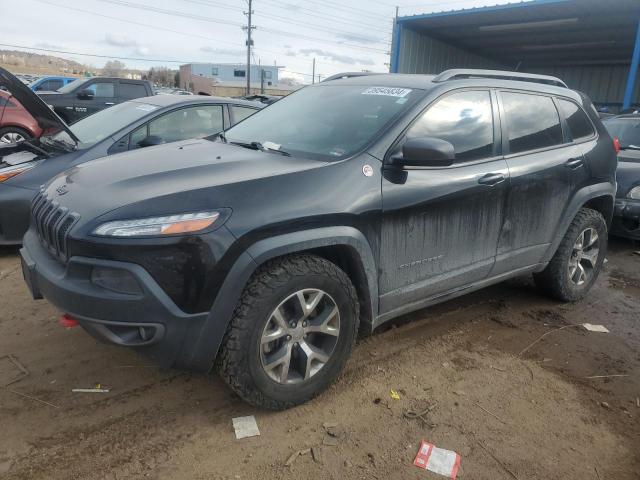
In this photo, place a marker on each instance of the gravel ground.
(510, 416)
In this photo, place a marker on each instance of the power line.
(164, 29)
(352, 10)
(209, 19)
(111, 57)
(302, 11)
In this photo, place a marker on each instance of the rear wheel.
(291, 333)
(12, 135)
(576, 264)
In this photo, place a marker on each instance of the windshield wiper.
(263, 147)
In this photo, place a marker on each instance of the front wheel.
(291, 333)
(576, 264)
(13, 135)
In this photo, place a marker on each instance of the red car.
(16, 124)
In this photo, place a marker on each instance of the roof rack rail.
(338, 76)
(459, 73)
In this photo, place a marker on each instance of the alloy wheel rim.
(11, 137)
(584, 257)
(300, 336)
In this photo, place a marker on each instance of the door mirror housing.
(425, 152)
(85, 94)
(151, 141)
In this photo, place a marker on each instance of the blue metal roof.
(487, 8)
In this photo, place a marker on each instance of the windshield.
(90, 130)
(70, 87)
(327, 122)
(626, 129)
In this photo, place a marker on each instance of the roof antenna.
(518, 65)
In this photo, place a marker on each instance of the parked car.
(626, 219)
(332, 211)
(16, 124)
(85, 96)
(50, 83)
(128, 126)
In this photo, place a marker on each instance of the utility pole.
(313, 73)
(249, 28)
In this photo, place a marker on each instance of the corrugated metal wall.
(604, 84)
(422, 54)
(419, 53)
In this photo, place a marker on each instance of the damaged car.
(626, 130)
(347, 203)
(131, 125)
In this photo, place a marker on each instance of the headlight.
(7, 173)
(155, 226)
(634, 193)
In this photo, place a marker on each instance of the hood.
(99, 186)
(47, 119)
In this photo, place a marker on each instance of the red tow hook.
(67, 321)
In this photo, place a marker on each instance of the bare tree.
(113, 68)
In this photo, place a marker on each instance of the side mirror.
(85, 94)
(425, 152)
(150, 141)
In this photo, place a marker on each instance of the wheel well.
(349, 261)
(604, 205)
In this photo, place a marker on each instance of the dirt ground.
(510, 416)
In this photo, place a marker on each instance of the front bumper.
(147, 320)
(626, 218)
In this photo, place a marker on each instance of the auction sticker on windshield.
(387, 91)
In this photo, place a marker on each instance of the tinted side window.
(192, 122)
(102, 90)
(579, 124)
(132, 90)
(464, 119)
(240, 113)
(532, 121)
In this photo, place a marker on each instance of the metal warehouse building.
(593, 45)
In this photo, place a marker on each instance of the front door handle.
(109, 103)
(574, 163)
(492, 179)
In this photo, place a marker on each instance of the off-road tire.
(554, 279)
(239, 363)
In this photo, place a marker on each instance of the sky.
(343, 35)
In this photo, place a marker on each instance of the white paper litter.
(90, 390)
(437, 460)
(595, 328)
(245, 427)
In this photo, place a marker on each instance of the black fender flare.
(206, 341)
(580, 198)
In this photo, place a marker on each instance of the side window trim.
(505, 134)
(402, 137)
(566, 132)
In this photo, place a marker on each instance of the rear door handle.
(574, 163)
(109, 103)
(492, 179)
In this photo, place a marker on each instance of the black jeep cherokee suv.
(339, 207)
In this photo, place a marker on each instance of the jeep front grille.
(52, 223)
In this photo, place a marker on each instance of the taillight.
(616, 144)
(9, 172)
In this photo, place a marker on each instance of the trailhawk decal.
(387, 91)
